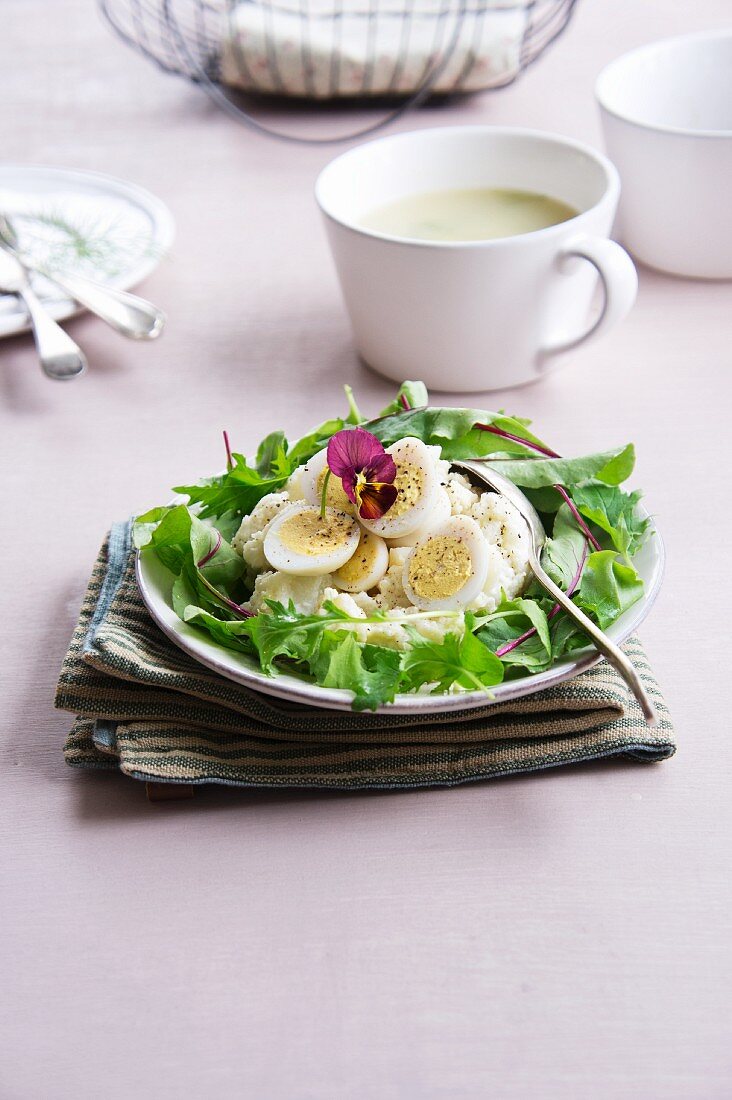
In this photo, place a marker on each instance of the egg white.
(466, 535)
(366, 567)
(311, 484)
(441, 512)
(410, 455)
(306, 559)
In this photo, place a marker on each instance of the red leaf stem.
(504, 649)
(560, 488)
(577, 517)
(229, 459)
(211, 553)
(517, 439)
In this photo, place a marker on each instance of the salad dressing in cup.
(475, 314)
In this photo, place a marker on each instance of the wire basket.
(339, 49)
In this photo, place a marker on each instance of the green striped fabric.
(146, 708)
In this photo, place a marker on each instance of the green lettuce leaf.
(145, 524)
(619, 468)
(354, 413)
(314, 441)
(512, 619)
(238, 490)
(464, 661)
(226, 567)
(271, 460)
(608, 587)
(537, 473)
(455, 430)
(434, 426)
(181, 541)
(414, 393)
(171, 538)
(564, 551)
(229, 633)
(371, 672)
(614, 512)
(566, 636)
(228, 523)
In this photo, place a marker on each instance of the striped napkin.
(145, 707)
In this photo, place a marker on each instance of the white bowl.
(666, 112)
(155, 584)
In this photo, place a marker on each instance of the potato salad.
(443, 545)
(360, 558)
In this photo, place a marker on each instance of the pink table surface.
(559, 935)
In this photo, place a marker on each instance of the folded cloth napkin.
(145, 707)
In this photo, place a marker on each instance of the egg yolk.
(409, 483)
(336, 495)
(307, 533)
(362, 561)
(440, 567)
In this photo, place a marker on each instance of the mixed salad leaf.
(594, 526)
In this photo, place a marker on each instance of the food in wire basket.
(325, 49)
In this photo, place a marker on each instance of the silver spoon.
(60, 357)
(126, 313)
(484, 472)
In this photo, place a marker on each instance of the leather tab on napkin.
(145, 707)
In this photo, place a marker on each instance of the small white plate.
(156, 583)
(127, 228)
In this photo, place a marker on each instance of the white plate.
(156, 582)
(130, 230)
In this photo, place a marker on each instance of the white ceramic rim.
(63, 308)
(291, 689)
(644, 51)
(612, 188)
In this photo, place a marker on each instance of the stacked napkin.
(145, 707)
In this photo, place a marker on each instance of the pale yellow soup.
(470, 214)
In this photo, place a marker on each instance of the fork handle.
(126, 313)
(609, 650)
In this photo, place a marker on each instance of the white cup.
(476, 315)
(666, 112)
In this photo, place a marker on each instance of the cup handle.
(619, 280)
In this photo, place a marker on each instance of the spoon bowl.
(487, 475)
(61, 359)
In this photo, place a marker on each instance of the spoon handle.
(609, 650)
(126, 313)
(60, 357)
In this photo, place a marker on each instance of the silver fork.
(482, 471)
(60, 357)
(126, 313)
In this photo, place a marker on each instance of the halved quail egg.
(418, 491)
(367, 566)
(441, 511)
(448, 568)
(311, 484)
(298, 541)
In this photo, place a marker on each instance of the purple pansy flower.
(365, 469)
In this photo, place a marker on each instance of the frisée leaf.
(464, 661)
